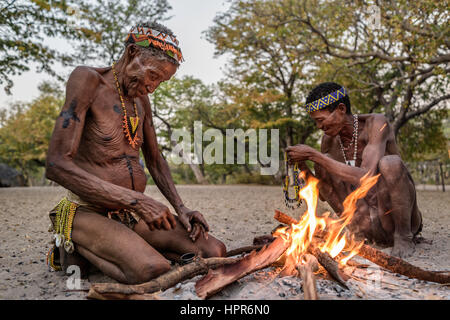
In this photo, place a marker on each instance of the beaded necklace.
(133, 122)
(288, 201)
(354, 141)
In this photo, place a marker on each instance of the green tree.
(427, 132)
(23, 25)
(25, 133)
(268, 69)
(178, 104)
(104, 25)
(393, 55)
(173, 105)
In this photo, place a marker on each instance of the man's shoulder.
(327, 139)
(85, 73)
(327, 142)
(378, 123)
(376, 118)
(145, 101)
(84, 81)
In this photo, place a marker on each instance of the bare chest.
(349, 153)
(112, 129)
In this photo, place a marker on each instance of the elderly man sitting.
(355, 145)
(106, 219)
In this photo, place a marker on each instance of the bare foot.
(403, 247)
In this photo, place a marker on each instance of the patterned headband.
(326, 101)
(145, 37)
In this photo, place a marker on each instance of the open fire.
(332, 236)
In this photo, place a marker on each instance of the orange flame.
(336, 238)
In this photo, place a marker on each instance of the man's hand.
(156, 215)
(194, 222)
(299, 152)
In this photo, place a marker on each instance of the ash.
(366, 283)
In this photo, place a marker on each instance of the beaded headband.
(146, 37)
(326, 101)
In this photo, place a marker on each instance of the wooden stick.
(264, 239)
(163, 282)
(289, 266)
(284, 218)
(218, 279)
(329, 264)
(120, 296)
(400, 266)
(355, 264)
(246, 249)
(306, 271)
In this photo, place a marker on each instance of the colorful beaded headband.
(145, 37)
(326, 101)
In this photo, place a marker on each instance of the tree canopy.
(393, 56)
(104, 25)
(26, 131)
(23, 26)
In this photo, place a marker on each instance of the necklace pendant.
(130, 135)
(351, 163)
(134, 121)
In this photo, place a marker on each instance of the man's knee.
(391, 167)
(213, 248)
(147, 270)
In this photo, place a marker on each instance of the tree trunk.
(199, 176)
(198, 173)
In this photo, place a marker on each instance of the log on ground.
(402, 267)
(329, 264)
(218, 279)
(176, 275)
(306, 267)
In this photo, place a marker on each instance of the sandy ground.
(236, 215)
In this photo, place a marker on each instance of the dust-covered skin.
(388, 214)
(89, 155)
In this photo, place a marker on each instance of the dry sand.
(236, 215)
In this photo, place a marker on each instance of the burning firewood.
(218, 279)
(324, 258)
(127, 292)
(384, 260)
(306, 267)
(330, 265)
(284, 218)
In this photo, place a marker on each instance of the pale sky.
(190, 19)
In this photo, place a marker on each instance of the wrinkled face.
(329, 122)
(145, 73)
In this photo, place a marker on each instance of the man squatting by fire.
(355, 145)
(106, 219)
